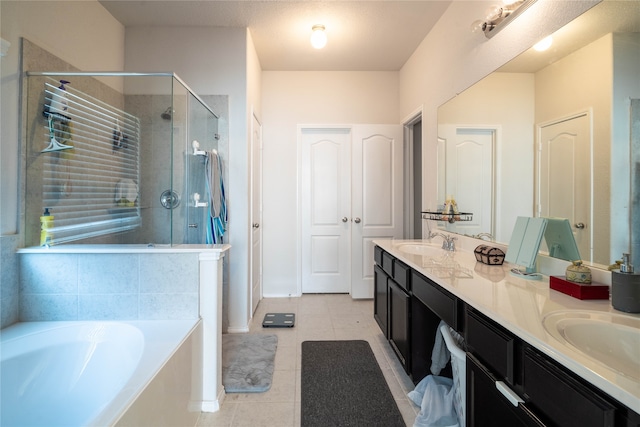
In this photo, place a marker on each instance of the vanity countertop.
(520, 306)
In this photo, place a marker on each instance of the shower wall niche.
(119, 167)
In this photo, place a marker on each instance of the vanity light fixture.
(498, 16)
(318, 36)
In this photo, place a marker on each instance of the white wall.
(290, 98)
(213, 61)
(54, 26)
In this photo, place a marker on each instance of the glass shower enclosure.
(119, 158)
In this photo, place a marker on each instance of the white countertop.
(519, 306)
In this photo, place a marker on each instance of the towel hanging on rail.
(217, 223)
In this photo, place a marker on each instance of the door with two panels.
(350, 194)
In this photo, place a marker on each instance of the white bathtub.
(82, 373)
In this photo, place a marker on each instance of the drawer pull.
(508, 393)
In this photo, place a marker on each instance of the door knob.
(256, 225)
(579, 225)
(345, 219)
(357, 220)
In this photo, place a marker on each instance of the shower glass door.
(202, 131)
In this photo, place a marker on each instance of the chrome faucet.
(448, 243)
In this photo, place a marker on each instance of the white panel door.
(469, 174)
(377, 198)
(325, 209)
(256, 214)
(564, 175)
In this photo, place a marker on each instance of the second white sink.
(610, 339)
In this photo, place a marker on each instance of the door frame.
(255, 119)
(409, 206)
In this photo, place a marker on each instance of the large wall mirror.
(548, 134)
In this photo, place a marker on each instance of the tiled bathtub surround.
(9, 290)
(108, 286)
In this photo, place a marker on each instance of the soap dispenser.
(625, 287)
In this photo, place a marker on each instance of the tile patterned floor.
(318, 317)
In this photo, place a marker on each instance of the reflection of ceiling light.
(543, 44)
(318, 37)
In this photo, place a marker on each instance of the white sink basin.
(430, 249)
(608, 338)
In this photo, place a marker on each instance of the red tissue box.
(579, 290)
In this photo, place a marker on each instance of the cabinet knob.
(579, 225)
(345, 219)
(256, 225)
(357, 220)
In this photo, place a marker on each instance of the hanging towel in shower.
(217, 223)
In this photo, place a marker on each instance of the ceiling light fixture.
(498, 16)
(318, 37)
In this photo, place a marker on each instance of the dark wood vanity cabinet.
(399, 328)
(402, 312)
(380, 299)
(509, 382)
(505, 374)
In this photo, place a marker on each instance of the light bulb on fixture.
(318, 37)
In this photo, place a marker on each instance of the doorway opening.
(413, 177)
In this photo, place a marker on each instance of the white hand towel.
(440, 354)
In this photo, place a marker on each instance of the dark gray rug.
(342, 385)
(247, 362)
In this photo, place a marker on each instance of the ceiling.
(362, 35)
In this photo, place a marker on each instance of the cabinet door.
(564, 400)
(487, 406)
(399, 306)
(380, 301)
(491, 344)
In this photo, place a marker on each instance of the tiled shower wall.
(9, 290)
(127, 286)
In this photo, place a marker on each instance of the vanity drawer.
(441, 302)
(402, 275)
(387, 263)
(561, 399)
(491, 344)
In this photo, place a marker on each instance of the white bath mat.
(247, 362)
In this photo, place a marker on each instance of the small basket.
(454, 342)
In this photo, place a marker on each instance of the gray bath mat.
(247, 362)
(343, 385)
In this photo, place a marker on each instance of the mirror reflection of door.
(564, 175)
(468, 174)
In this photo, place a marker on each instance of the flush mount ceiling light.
(318, 37)
(498, 16)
